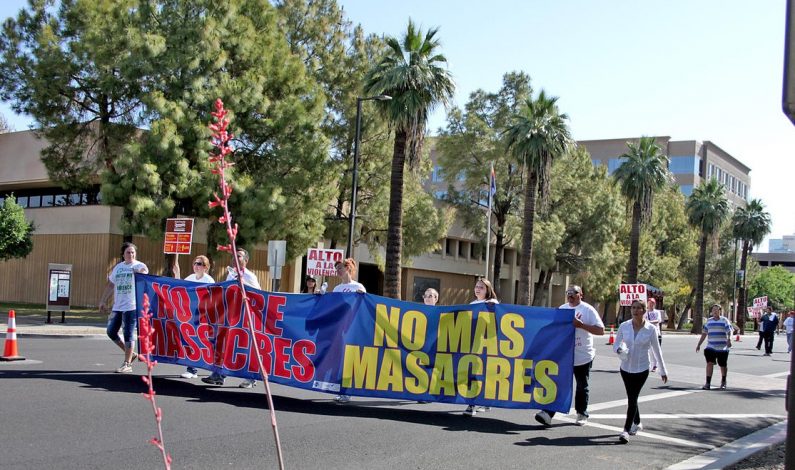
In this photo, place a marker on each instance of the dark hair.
(642, 303)
(126, 245)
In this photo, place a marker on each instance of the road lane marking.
(659, 437)
(690, 416)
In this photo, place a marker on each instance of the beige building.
(77, 229)
(691, 162)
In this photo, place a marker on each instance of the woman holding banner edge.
(200, 267)
(484, 293)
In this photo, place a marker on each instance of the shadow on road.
(572, 441)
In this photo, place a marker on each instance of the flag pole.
(492, 189)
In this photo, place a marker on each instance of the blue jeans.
(115, 322)
(581, 375)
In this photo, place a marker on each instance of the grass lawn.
(33, 312)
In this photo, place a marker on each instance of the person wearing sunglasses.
(430, 297)
(587, 323)
(200, 267)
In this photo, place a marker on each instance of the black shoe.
(723, 386)
(705, 387)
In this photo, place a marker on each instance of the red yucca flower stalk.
(220, 141)
(145, 333)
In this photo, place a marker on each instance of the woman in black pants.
(634, 340)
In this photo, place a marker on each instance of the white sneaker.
(623, 437)
(188, 375)
(342, 399)
(544, 418)
(635, 429)
(125, 368)
(581, 420)
(248, 383)
(470, 411)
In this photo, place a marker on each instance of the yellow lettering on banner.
(514, 345)
(485, 334)
(455, 332)
(391, 375)
(414, 362)
(548, 390)
(386, 324)
(360, 370)
(498, 383)
(413, 329)
(522, 380)
(443, 375)
(469, 366)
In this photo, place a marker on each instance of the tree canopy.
(15, 231)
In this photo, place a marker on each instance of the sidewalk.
(32, 326)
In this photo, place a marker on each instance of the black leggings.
(633, 383)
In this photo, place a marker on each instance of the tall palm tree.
(412, 73)
(537, 135)
(750, 224)
(707, 208)
(643, 173)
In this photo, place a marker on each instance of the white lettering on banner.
(629, 293)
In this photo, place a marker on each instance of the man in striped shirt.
(718, 333)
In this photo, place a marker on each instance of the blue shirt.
(769, 323)
(718, 333)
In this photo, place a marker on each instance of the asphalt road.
(65, 408)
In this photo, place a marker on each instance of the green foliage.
(470, 143)
(15, 231)
(536, 135)
(778, 284)
(412, 73)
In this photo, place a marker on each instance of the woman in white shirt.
(346, 269)
(634, 340)
(200, 266)
(484, 293)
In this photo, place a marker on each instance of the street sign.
(320, 262)
(277, 253)
(628, 293)
(179, 235)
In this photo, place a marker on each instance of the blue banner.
(487, 354)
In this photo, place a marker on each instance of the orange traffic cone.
(612, 339)
(737, 339)
(11, 353)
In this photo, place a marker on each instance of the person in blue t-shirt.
(718, 333)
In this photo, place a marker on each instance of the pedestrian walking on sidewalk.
(718, 333)
(587, 323)
(123, 313)
(636, 338)
(655, 317)
(788, 327)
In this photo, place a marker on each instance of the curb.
(738, 450)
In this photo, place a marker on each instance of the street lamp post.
(357, 138)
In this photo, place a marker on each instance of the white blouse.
(639, 345)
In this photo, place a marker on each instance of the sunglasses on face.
(198, 263)
(571, 292)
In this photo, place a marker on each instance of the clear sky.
(691, 70)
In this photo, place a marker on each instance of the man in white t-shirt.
(655, 317)
(249, 279)
(586, 323)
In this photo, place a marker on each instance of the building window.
(421, 284)
(462, 249)
(710, 171)
(22, 201)
(613, 164)
(436, 176)
(34, 201)
(684, 165)
(448, 247)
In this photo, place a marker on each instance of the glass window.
(462, 249)
(2, 200)
(47, 200)
(448, 248)
(711, 170)
(60, 200)
(421, 284)
(34, 201)
(74, 199)
(613, 164)
(22, 201)
(684, 165)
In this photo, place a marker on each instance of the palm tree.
(707, 208)
(411, 73)
(643, 173)
(750, 224)
(537, 135)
